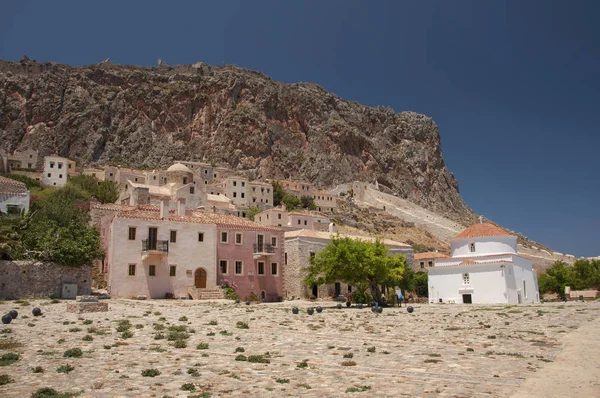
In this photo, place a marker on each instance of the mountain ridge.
(150, 116)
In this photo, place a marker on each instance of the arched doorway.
(200, 278)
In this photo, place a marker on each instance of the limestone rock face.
(148, 117)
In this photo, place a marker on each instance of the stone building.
(324, 201)
(302, 245)
(203, 172)
(298, 188)
(56, 171)
(280, 217)
(26, 159)
(485, 269)
(179, 186)
(424, 261)
(14, 196)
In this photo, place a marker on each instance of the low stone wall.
(21, 279)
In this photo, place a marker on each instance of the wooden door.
(260, 241)
(152, 238)
(200, 278)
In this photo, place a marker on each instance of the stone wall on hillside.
(20, 279)
(440, 227)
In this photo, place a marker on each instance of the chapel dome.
(482, 230)
(179, 167)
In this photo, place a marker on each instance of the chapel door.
(467, 299)
(200, 278)
(338, 289)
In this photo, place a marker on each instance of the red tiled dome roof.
(480, 230)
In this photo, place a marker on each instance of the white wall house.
(14, 196)
(153, 253)
(484, 268)
(56, 171)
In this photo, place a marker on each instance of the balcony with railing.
(160, 246)
(264, 249)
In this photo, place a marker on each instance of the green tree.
(421, 284)
(556, 278)
(88, 183)
(58, 230)
(253, 211)
(11, 227)
(407, 282)
(291, 202)
(108, 191)
(308, 202)
(355, 262)
(278, 193)
(586, 274)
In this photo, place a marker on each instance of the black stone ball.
(360, 306)
(319, 310)
(294, 310)
(237, 301)
(379, 310)
(410, 310)
(310, 311)
(374, 308)
(339, 306)
(348, 304)
(13, 313)
(6, 319)
(248, 302)
(36, 311)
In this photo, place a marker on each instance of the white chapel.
(484, 269)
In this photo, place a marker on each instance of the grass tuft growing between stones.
(47, 392)
(9, 359)
(73, 353)
(65, 369)
(5, 379)
(241, 325)
(150, 372)
(358, 389)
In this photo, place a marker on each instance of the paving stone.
(423, 354)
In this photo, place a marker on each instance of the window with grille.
(152, 270)
(131, 269)
(132, 233)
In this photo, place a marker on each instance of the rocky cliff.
(148, 117)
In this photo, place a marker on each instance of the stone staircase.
(205, 294)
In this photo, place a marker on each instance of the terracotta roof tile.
(149, 212)
(468, 262)
(422, 256)
(481, 230)
(8, 185)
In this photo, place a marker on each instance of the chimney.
(332, 228)
(283, 207)
(164, 209)
(181, 207)
(480, 219)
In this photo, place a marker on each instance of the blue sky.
(513, 86)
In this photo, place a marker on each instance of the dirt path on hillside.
(575, 372)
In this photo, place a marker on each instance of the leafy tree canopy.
(308, 202)
(354, 262)
(253, 211)
(56, 230)
(278, 193)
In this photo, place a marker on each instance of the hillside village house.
(280, 217)
(155, 252)
(14, 196)
(324, 201)
(56, 171)
(179, 186)
(424, 261)
(484, 268)
(26, 159)
(301, 245)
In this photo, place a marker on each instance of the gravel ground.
(438, 350)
